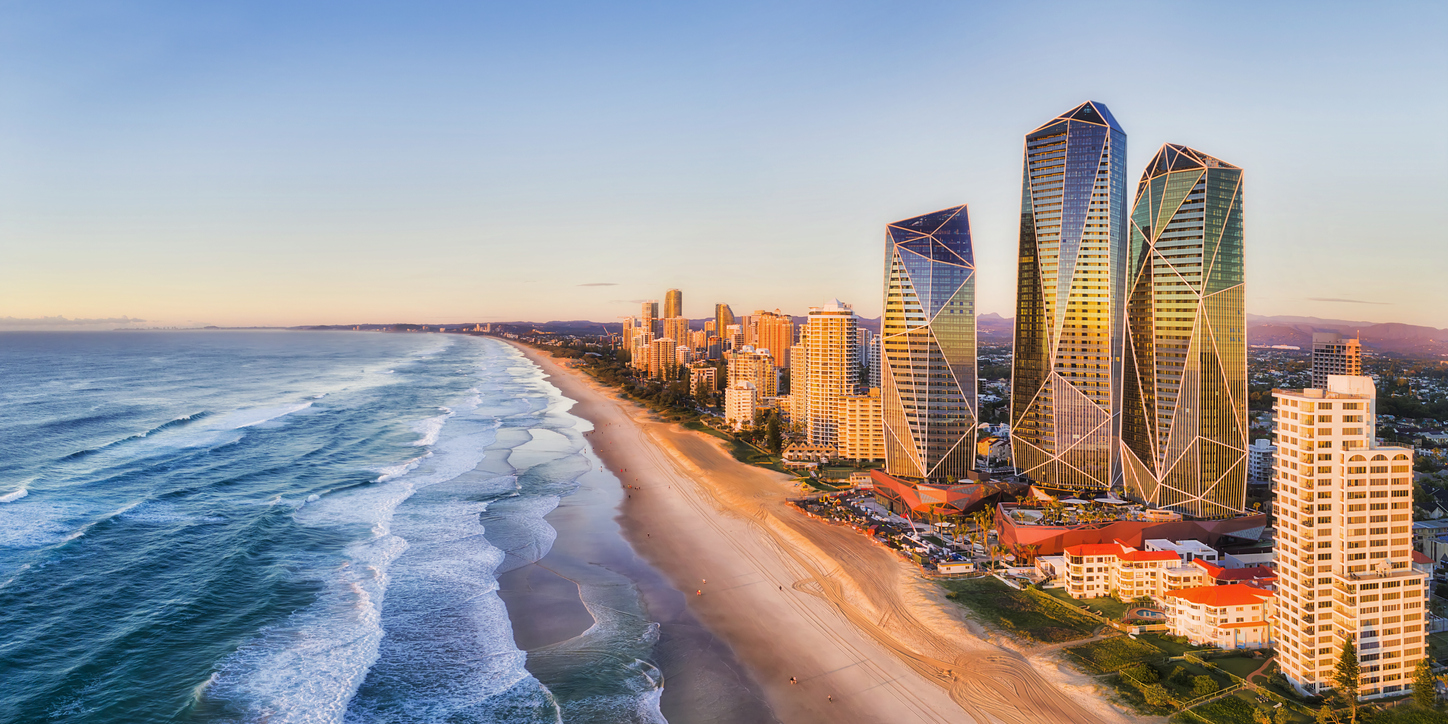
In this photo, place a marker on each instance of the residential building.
(1227, 617)
(1184, 366)
(702, 380)
(739, 400)
(1186, 550)
(683, 355)
(861, 428)
(673, 304)
(663, 358)
(755, 365)
(1260, 458)
(828, 339)
(640, 349)
(733, 336)
(677, 328)
(874, 364)
(1344, 546)
(1332, 354)
(1070, 291)
(928, 347)
(773, 331)
(1113, 569)
(648, 316)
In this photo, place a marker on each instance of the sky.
(282, 163)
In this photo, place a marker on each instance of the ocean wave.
(431, 428)
(177, 422)
(14, 495)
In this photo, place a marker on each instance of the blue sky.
(286, 163)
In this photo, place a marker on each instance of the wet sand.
(865, 635)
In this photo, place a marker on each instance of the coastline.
(867, 637)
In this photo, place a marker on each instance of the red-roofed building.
(1232, 616)
(1256, 576)
(936, 503)
(1115, 569)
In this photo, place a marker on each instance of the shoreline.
(867, 637)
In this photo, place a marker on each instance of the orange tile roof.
(1233, 595)
(1244, 624)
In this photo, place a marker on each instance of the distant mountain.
(992, 328)
(1391, 337)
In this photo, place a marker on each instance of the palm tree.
(996, 550)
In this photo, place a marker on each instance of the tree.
(1177, 676)
(772, 436)
(1142, 672)
(1425, 687)
(1203, 685)
(1345, 679)
(1262, 715)
(996, 551)
(1283, 715)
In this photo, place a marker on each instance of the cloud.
(1345, 301)
(599, 284)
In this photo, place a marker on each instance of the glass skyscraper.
(1070, 291)
(1184, 410)
(928, 366)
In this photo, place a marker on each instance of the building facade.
(673, 304)
(649, 316)
(1332, 354)
(755, 365)
(739, 401)
(828, 339)
(702, 380)
(1184, 365)
(1345, 565)
(773, 331)
(677, 329)
(861, 428)
(1227, 617)
(928, 347)
(1070, 291)
(663, 358)
(1260, 458)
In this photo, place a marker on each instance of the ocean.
(292, 527)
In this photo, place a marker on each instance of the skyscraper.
(773, 331)
(1070, 291)
(829, 376)
(1184, 366)
(677, 329)
(673, 303)
(1345, 567)
(648, 315)
(928, 347)
(1334, 355)
(723, 317)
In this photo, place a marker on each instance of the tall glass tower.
(1184, 412)
(1070, 287)
(928, 347)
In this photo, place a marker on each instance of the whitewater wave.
(177, 422)
(14, 495)
(431, 428)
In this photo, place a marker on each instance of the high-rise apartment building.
(648, 316)
(702, 380)
(756, 366)
(828, 339)
(663, 358)
(1332, 354)
(860, 432)
(874, 364)
(740, 399)
(677, 328)
(1070, 290)
(673, 304)
(723, 317)
(1344, 561)
(928, 347)
(1184, 366)
(1261, 460)
(773, 331)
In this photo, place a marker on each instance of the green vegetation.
(1029, 614)
(1114, 653)
(1226, 710)
(1241, 666)
(1105, 605)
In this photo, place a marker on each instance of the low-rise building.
(1187, 550)
(1228, 617)
(1112, 569)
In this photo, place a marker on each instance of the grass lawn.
(1170, 647)
(1239, 665)
(1105, 605)
(1029, 615)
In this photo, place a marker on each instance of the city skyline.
(143, 182)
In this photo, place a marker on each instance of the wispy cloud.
(61, 322)
(599, 284)
(1344, 301)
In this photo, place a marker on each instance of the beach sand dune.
(865, 635)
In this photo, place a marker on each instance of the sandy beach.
(866, 636)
